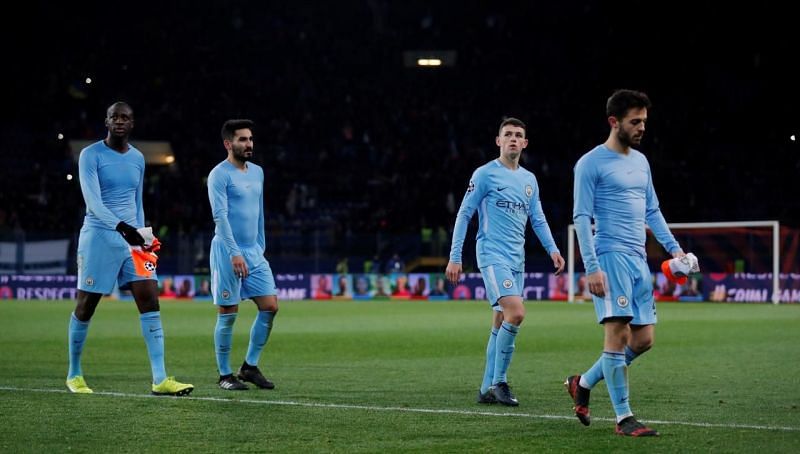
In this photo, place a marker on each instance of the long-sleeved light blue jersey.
(237, 204)
(505, 200)
(617, 191)
(111, 183)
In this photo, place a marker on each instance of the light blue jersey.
(237, 205)
(505, 199)
(111, 183)
(616, 191)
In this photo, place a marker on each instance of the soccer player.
(238, 268)
(112, 177)
(614, 186)
(505, 196)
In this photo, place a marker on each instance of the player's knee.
(269, 304)
(86, 305)
(514, 317)
(83, 312)
(147, 304)
(642, 345)
(233, 309)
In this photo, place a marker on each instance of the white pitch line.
(400, 409)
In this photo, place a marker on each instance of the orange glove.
(145, 259)
(144, 262)
(678, 269)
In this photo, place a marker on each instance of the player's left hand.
(130, 234)
(558, 262)
(678, 254)
(240, 266)
(453, 272)
(147, 236)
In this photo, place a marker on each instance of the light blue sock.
(505, 350)
(77, 336)
(616, 373)
(491, 352)
(592, 376)
(154, 339)
(259, 334)
(595, 373)
(223, 338)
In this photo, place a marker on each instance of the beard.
(627, 140)
(242, 154)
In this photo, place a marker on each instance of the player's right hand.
(597, 283)
(453, 272)
(131, 235)
(240, 266)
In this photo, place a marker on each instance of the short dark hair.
(117, 104)
(511, 121)
(623, 100)
(230, 127)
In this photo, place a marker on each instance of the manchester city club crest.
(622, 301)
(508, 283)
(226, 294)
(528, 190)
(89, 281)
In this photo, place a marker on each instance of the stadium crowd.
(355, 143)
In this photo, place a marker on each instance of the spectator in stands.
(185, 287)
(111, 179)
(558, 287)
(362, 287)
(401, 286)
(204, 289)
(342, 287)
(439, 288)
(382, 287)
(375, 265)
(420, 289)
(167, 288)
(341, 266)
(322, 289)
(395, 264)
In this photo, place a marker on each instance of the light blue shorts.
(227, 289)
(501, 281)
(629, 292)
(103, 260)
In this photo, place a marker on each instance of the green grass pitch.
(398, 377)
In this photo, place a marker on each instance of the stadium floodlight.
(675, 228)
(429, 58)
(429, 62)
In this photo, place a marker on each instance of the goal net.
(728, 251)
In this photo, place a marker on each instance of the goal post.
(774, 225)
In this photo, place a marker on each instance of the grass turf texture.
(357, 376)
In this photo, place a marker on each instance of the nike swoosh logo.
(154, 330)
(502, 189)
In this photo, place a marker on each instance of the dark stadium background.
(370, 149)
